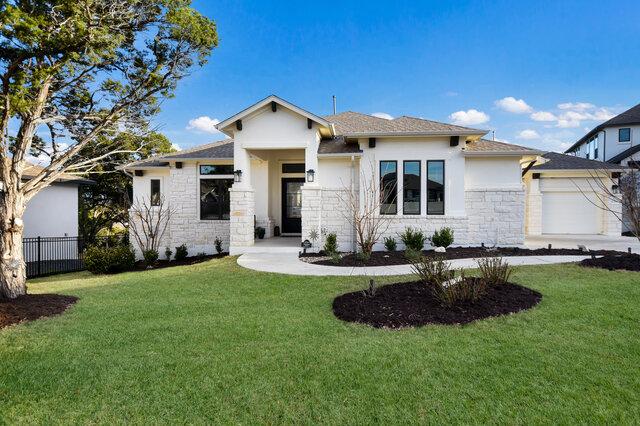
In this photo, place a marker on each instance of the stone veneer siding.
(242, 203)
(185, 226)
(494, 216)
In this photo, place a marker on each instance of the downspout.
(354, 246)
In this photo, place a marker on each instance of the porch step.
(270, 245)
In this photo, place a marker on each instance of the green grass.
(218, 343)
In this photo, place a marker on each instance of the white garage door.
(569, 213)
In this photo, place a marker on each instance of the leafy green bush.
(335, 258)
(494, 270)
(390, 243)
(109, 260)
(442, 238)
(218, 243)
(150, 257)
(331, 244)
(413, 239)
(181, 252)
(432, 271)
(167, 253)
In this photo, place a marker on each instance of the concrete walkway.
(288, 263)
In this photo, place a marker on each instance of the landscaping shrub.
(109, 260)
(331, 244)
(150, 257)
(363, 256)
(218, 244)
(335, 257)
(494, 270)
(442, 238)
(390, 243)
(167, 253)
(437, 275)
(201, 255)
(413, 239)
(412, 255)
(181, 252)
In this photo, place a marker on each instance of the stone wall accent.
(242, 217)
(428, 225)
(311, 209)
(533, 208)
(496, 216)
(185, 226)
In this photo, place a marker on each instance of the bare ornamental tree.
(148, 222)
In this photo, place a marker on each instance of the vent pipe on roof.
(493, 132)
(334, 104)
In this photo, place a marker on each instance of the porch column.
(311, 214)
(242, 206)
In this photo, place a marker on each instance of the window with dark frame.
(624, 135)
(155, 192)
(214, 199)
(411, 187)
(218, 169)
(293, 168)
(435, 187)
(388, 187)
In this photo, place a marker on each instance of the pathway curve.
(288, 263)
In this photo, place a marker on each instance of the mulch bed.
(164, 263)
(412, 305)
(33, 306)
(627, 262)
(385, 258)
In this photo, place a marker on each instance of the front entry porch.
(272, 245)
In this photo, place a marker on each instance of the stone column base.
(242, 211)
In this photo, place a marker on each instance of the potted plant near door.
(260, 231)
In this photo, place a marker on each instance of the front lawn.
(215, 342)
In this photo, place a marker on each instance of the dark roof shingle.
(485, 145)
(571, 162)
(338, 145)
(219, 150)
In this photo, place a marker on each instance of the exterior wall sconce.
(311, 175)
(237, 176)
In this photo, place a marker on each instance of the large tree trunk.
(13, 279)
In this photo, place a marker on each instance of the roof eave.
(500, 153)
(341, 154)
(479, 133)
(604, 170)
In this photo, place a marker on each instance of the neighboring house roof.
(266, 101)
(571, 162)
(33, 170)
(353, 124)
(218, 150)
(627, 118)
(624, 154)
(338, 145)
(488, 147)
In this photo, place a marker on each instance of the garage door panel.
(570, 213)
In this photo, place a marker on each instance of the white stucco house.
(53, 212)
(284, 169)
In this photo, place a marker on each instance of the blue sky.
(539, 73)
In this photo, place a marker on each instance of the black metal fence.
(56, 255)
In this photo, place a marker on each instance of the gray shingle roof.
(351, 123)
(219, 150)
(629, 117)
(571, 162)
(338, 145)
(485, 145)
(33, 170)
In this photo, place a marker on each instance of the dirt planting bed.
(386, 258)
(163, 263)
(411, 304)
(33, 306)
(613, 262)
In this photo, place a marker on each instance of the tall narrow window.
(411, 187)
(214, 199)
(388, 187)
(155, 192)
(435, 187)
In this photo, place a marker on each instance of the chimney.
(334, 104)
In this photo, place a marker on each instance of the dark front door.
(292, 205)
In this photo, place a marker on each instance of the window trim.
(444, 185)
(151, 203)
(380, 186)
(404, 162)
(214, 174)
(209, 177)
(620, 130)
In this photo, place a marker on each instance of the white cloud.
(469, 117)
(383, 115)
(528, 134)
(203, 124)
(513, 105)
(176, 147)
(576, 106)
(543, 116)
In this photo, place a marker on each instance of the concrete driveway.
(593, 242)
